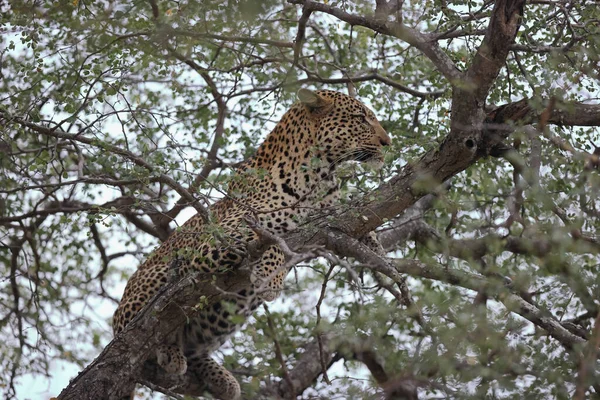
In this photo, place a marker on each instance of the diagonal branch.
(306, 370)
(491, 54)
(226, 38)
(211, 158)
(394, 269)
(589, 362)
(564, 113)
(299, 41)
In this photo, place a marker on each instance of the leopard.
(291, 176)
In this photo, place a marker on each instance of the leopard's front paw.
(171, 359)
(264, 289)
(371, 241)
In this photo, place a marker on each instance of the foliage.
(110, 111)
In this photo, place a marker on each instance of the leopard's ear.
(312, 99)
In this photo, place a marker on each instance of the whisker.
(351, 155)
(347, 155)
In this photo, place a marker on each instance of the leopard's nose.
(384, 139)
(381, 136)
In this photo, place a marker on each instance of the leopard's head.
(345, 129)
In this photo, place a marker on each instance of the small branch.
(421, 41)
(107, 147)
(118, 205)
(161, 389)
(278, 353)
(318, 333)
(299, 41)
(344, 245)
(216, 143)
(83, 180)
(225, 38)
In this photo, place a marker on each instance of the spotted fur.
(290, 176)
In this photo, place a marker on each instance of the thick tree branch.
(588, 362)
(491, 54)
(564, 113)
(114, 372)
(474, 249)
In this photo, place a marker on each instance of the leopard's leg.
(214, 254)
(219, 382)
(268, 273)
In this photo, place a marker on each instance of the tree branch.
(306, 370)
(394, 269)
(113, 373)
(216, 143)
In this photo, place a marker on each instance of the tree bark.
(115, 371)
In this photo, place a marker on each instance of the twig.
(279, 354)
(160, 389)
(318, 334)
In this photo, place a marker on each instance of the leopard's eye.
(362, 117)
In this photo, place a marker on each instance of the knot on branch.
(511, 11)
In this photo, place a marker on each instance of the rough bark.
(113, 373)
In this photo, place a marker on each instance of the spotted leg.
(268, 274)
(219, 382)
